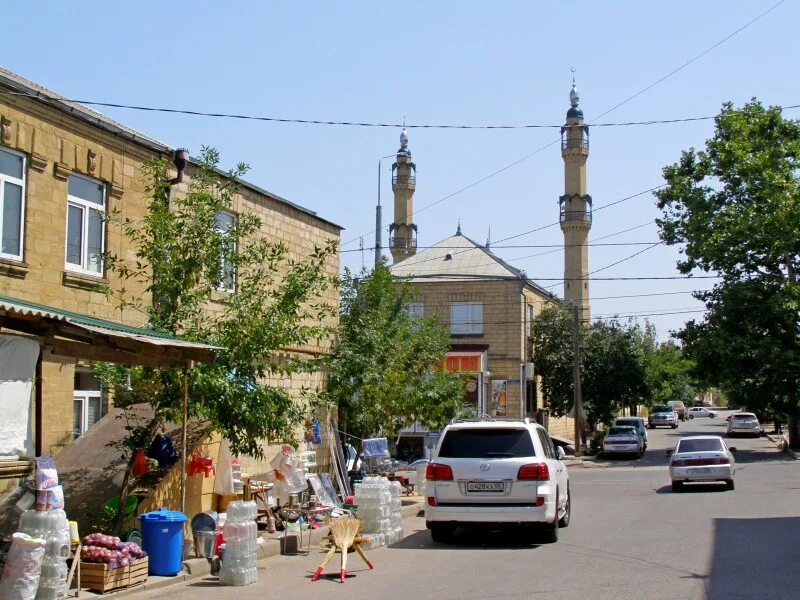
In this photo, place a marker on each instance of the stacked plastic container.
(241, 544)
(53, 527)
(379, 504)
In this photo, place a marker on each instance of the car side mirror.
(560, 453)
(732, 449)
(669, 452)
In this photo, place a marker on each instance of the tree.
(668, 371)
(229, 287)
(384, 372)
(735, 210)
(612, 375)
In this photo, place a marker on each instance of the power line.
(458, 277)
(613, 108)
(297, 121)
(495, 246)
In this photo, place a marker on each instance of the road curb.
(779, 443)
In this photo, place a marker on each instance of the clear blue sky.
(436, 62)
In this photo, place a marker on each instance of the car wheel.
(564, 521)
(550, 531)
(652, 426)
(442, 533)
(729, 484)
(691, 416)
(711, 416)
(641, 453)
(674, 425)
(677, 486)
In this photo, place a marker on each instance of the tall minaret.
(403, 232)
(576, 207)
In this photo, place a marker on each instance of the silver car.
(744, 423)
(702, 458)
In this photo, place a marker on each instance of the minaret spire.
(575, 205)
(403, 232)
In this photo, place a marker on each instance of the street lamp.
(378, 223)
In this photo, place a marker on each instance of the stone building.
(62, 167)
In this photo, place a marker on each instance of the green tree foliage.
(668, 371)
(182, 258)
(612, 374)
(734, 208)
(384, 373)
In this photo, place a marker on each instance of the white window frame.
(221, 287)
(20, 182)
(84, 397)
(472, 324)
(85, 206)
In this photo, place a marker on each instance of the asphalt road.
(630, 537)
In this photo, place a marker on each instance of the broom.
(344, 531)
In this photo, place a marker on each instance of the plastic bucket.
(205, 543)
(162, 539)
(205, 521)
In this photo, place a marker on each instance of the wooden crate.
(98, 577)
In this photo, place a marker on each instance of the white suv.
(496, 472)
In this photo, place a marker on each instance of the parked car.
(679, 407)
(662, 415)
(697, 412)
(497, 472)
(636, 422)
(745, 423)
(623, 440)
(701, 458)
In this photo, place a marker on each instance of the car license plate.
(699, 471)
(484, 486)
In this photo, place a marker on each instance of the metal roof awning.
(82, 336)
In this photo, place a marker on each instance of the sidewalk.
(195, 568)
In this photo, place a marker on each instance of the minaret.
(403, 232)
(575, 207)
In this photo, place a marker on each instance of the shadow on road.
(694, 488)
(473, 538)
(765, 549)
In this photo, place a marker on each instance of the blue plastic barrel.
(162, 539)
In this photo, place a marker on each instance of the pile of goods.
(99, 548)
(379, 504)
(241, 544)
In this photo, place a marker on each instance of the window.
(12, 198)
(547, 445)
(224, 224)
(466, 318)
(416, 309)
(487, 443)
(87, 402)
(86, 204)
(529, 317)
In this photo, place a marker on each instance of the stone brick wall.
(57, 144)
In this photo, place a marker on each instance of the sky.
(442, 62)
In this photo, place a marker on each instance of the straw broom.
(344, 531)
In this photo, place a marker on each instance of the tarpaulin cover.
(17, 366)
(375, 447)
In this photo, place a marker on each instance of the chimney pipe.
(180, 159)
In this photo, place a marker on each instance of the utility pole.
(576, 376)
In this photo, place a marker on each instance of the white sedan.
(698, 411)
(746, 423)
(702, 458)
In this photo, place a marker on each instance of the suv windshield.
(699, 446)
(658, 409)
(622, 431)
(487, 443)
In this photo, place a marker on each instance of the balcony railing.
(576, 215)
(570, 143)
(410, 179)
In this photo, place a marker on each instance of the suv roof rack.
(491, 419)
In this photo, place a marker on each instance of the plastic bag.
(163, 451)
(140, 466)
(46, 473)
(20, 578)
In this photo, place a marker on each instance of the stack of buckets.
(241, 537)
(52, 526)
